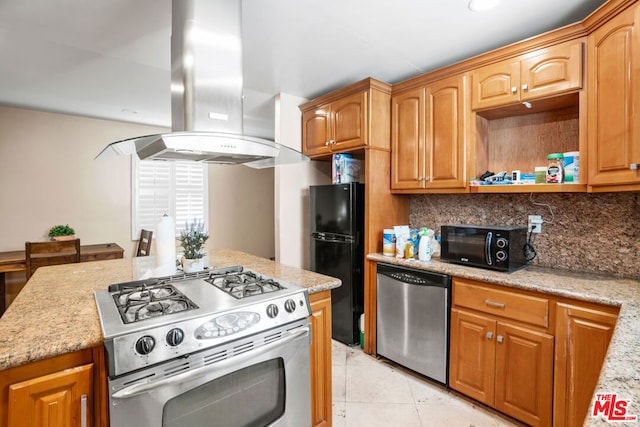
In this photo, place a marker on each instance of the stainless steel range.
(194, 349)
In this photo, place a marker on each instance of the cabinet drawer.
(509, 304)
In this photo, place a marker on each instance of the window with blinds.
(178, 189)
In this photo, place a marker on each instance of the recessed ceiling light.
(480, 5)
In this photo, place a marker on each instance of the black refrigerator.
(337, 250)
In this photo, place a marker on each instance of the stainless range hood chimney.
(206, 94)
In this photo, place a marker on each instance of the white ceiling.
(111, 58)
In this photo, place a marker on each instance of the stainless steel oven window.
(253, 397)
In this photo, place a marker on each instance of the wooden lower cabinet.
(321, 358)
(582, 339)
(62, 391)
(505, 366)
(59, 399)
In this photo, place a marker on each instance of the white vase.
(193, 265)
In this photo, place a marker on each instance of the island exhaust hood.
(206, 94)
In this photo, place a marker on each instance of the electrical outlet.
(535, 220)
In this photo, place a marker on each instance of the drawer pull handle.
(500, 338)
(489, 335)
(494, 304)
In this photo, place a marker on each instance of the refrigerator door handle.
(332, 238)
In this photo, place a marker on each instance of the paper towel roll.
(166, 241)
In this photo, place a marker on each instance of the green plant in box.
(61, 230)
(192, 239)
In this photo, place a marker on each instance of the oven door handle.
(141, 388)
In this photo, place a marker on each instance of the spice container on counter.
(555, 168)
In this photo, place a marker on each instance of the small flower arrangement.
(192, 239)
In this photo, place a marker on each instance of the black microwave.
(499, 248)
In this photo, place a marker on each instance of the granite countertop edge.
(42, 323)
(620, 372)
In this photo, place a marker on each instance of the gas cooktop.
(165, 317)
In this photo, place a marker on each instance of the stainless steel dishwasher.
(412, 323)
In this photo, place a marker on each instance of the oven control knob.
(290, 305)
(272, 310)
(175, 337)
(145, 344)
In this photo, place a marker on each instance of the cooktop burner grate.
(140, 301)
(244, 284)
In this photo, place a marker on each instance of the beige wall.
(292, 187)
(241, 209)
(48, 176)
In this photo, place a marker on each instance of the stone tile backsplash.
(585, 232)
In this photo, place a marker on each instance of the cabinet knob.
(326, 143)
(633, 166)
(332, 142)
(514, 89)
(499, 338)
(489, 335)
(525, 87)
(426, 178)
(420, 178)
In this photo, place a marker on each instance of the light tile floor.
(376, 393)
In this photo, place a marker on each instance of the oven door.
(258, 381)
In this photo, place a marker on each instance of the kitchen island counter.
(620, 372)
(55, 313)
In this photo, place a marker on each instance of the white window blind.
(178, 189)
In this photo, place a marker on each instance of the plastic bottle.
(424, 247)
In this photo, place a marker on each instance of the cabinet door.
(60, 399)
(614, 101)
(582, 337)
(408, 155)
(321, 358)
(524, 374)
(445, 133)
(472, 355)
(316, 131)
(349, 122)
(550, 71)
(495, 85)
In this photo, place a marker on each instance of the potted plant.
(62, 232)
(193, 239)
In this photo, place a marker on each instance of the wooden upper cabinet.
(544, 72)
(351, 118)
(348, 118)
(614, 103)
(316, 130)
(496, 84)
(408, 139)
(428, 136)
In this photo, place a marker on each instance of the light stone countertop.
(56, 313)
(621, 369)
